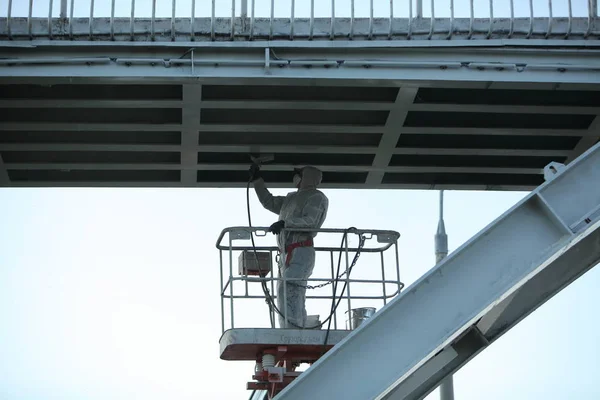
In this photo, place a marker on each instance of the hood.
(311, 178)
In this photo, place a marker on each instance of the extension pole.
(441, 251)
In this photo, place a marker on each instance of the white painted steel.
(472, 297)
(416, 65)
(544, 64)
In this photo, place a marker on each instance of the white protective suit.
(307, 209)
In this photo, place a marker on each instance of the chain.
(361, 243)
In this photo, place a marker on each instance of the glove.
(277, 227)
(254, 172)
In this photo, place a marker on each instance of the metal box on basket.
(257, 264)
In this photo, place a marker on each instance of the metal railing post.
(390, 33)
(112, 20)
(550, 18)
(312, 20)
(50, 19)
(530, 19)
(244, 9)
(192, 21)
(8, 18)
(432, 25)
(63, 9)
(132, 20)
(152, 20)
(333, 288)
(71, 10)
(332, 32)
(491, 28)
(221, 290)
(173, 11)
(212, 21)
(232, 19)
(231, 279)
(592, 13)
(91, 20)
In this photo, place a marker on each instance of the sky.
(114, 293)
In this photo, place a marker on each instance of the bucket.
(358, 316)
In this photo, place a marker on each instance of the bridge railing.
(189, 20)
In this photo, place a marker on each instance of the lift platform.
(302, 345)
(288, 348)
(472, 297)
(278, 353)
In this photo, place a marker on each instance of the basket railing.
(365, 284)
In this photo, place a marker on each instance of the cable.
(333, 305)
(265, 289)
(334, 309)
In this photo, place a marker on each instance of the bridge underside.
(475, 115)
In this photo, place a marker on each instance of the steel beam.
(242, 74)
(246, 128)
(278, 167)
(88, 103)
(391, 133)
(299, 105)
(90, 147)
(304, 44)
(382, 66)
(275, 185)
(267, 148)
(497, 131)
(442, 365)
(587, 141)
(4, 179)
(481, 152)
(218, 104)
(53, 126)
(561, 223)
(246, 149)
(436, 363)
(192, 97)
(503, 109)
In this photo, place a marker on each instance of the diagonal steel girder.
(471, 298)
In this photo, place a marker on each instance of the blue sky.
(113, 293)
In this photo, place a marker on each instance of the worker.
(305, 208)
